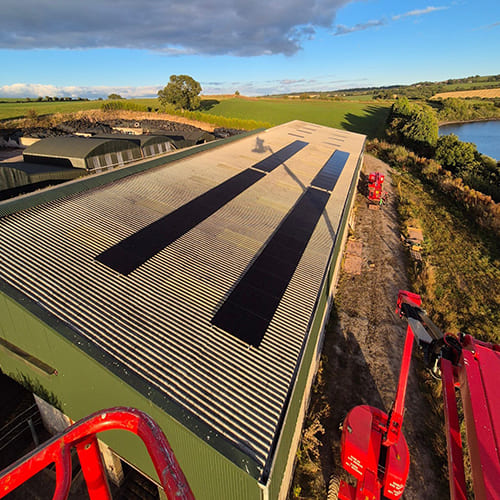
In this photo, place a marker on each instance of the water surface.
(485, 135)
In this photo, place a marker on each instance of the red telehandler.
(373, 448)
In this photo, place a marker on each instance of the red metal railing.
(82, 436)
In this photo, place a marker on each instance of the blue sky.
(93, 48)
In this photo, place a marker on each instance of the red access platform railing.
(82, 436)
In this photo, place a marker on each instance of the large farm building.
(195, 287)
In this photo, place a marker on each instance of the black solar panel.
(327, 177)
(276, 159)
(251, 305)
(132, 252)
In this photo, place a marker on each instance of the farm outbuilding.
(151, 145)
(194, 286)
(185, 139)
(82, 152)
(18, 176)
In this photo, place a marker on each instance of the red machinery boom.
(373, 449)
(474, 367)
(82, 436)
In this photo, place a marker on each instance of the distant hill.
(419, 90)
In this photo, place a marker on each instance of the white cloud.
(341, 29)
(418, 12)
(174, 27)
(38, 89)
(249, 88)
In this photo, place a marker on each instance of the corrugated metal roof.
(141, 140)
(156, 320)
(75, 147)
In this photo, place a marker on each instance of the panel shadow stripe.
(250, 307)
(133, 251)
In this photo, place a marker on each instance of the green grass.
(11, 110)
(468, 86)
(461, 272)
(362, 117)
(353, 115)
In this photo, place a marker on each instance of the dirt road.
(363, 348)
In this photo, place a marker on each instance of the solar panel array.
(251, 306)
(153, 315)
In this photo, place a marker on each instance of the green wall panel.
(82, 386)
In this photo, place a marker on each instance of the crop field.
(363, 117)
(481, 94)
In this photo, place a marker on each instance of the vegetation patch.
(37, 388)
(12, 110)
(461, 271)
(453, 110)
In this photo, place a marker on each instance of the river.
(485, 135)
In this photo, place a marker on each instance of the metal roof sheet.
(142, 140)
(156, 321)
(75, 147)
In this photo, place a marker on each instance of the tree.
(414, 125)
(115, 96)
(237, 93)
(182, 91)
(457, 156)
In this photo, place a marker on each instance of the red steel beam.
(456, 474)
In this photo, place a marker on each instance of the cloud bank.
(175, 27)
(42, 90)
(281, 86)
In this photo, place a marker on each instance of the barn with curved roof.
(151, 145)
(82, 152)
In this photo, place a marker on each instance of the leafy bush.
(453, 109)
(456, 156)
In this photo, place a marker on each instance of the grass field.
(356, 116)
(362, 117)
(11, 110)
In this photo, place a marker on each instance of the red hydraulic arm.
(474, 367)
(395, 420)
(373, 448)
(82, 436)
